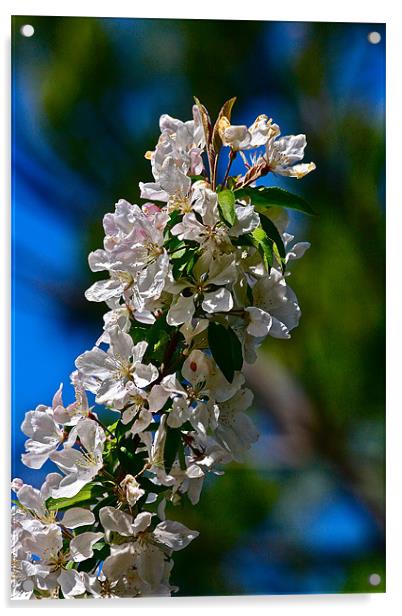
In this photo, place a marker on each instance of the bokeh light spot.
(374, 38)
(375, 579)
(27, 30)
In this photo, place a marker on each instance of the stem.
(232, 156)
(170, 349)
(66, 532)
(238, 313)
(166, 364)
(171, 252)
(98, 421)
(108, 475)
(214, 172)
(144, 468)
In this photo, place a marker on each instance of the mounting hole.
(27, 30)
(374, 38)
(375, 579)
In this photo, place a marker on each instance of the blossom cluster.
(196, 279)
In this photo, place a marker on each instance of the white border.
(292, 10)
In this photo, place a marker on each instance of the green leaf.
(108, 501)
(160, 347)
(191, 262)
(70, 565)
(178, 254)
(264, 244)
(263, 197)
(231, 182)
(182, 458)
(196, 178)
(172, 444)
(98, 546)
(121, 430)
(139, 333)
(157, 336)
(226, 200)
(273, 234)
(87, 493)
(184, 264)
(175, 247)
(131, 460)
(225, 348)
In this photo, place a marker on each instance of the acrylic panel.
(220, 428)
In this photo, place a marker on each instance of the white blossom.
(243, 138)
(177, 273)
(133, 255)
(284, 154)
(236, 431)
(80, 466)
(207, 286)
(45, 434)
(112, 374)
(274, 296)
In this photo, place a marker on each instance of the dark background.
(305, 513)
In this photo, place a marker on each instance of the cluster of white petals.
(196, 281)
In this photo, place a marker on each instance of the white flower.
(259, 322)
(79, 467)
(76, 517)
(177, 155)
(23, 577)
(138, 399)
(34, 500)
(146, 549)
(206, 453)
(132, 490)
(246, 220)
(81, 546)
(71, 583)
(132, 570)
(172, 535)
(275, 312)
(112, 374)
(211, 232)
(119, 315)
(206, 287)
(297, 250)
(235, 430)
(194, 400)
(46, 544)
(195, 370)
(272, 295)
(133, 255)
(71, 414)
(44, 432)
(222, 279)
(120, 581)
(283, 155)
(243, 138)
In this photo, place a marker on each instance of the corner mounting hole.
(375, 579)
(27, 30)
(374, 38)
